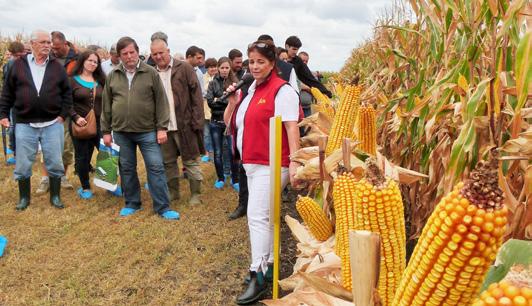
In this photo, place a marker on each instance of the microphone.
(246, 80)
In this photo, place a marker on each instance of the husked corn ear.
(367, 130)
(458, 244)
(315, 218)
(319, 96)
(327, 110)
(340, 90)
(324, 105)
(379, 209)
(505, 293)
(344, 120)
(344, 201)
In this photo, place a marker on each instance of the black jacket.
(306, 77)
(214, 92)
(29, 106)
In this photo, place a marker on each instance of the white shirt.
(293, 80)
(37, 74)
(37, 71)
(131, 74)
(200, 80)
(166, 78)
(286, 106)
(108, 66)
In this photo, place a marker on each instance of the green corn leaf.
(512, 252)
(523, 70)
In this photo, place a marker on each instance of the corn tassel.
(344, 198)
(367, 130)
(344, 119)
(379, 209)
(458, 243)
(505, 293)
(318, 223)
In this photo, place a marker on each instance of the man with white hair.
(37, 87)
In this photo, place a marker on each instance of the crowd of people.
(167, 107)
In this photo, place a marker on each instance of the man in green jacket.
(135, 109)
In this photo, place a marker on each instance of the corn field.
(451, 81)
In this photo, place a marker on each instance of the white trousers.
(260, 227)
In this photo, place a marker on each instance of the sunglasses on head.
(258, 45)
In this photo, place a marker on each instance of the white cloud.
(329, 29)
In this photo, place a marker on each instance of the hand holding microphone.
(246, 80)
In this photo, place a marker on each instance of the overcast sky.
(329, 29)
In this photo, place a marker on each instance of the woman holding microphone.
(248, 120)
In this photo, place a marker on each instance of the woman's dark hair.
(265, 48)
(211, 62)
(280, 50)
(231, 78)
(98, 74)
(124, 42)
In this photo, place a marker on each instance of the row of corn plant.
(451, 80)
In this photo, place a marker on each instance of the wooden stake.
(364, 251)
(325, 178)
(346, 153)
(322, 144)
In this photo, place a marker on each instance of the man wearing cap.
(112, 62)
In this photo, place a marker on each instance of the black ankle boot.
(268, 277)
(55, 190)
(24, 191)
(256, 288)
(240, 211)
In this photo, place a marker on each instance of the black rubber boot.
(256, 288)
(55, 190)
(268, 277)
(24, 191)
(239, 212)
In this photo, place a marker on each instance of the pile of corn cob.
(374, 204)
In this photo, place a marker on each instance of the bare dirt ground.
(87, 255)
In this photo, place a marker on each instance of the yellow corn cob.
(327, 110)
(458, 243)
(315, 218)
(379, 209)
(324, 105)
(344, 119)
(344, 198)
(339, 89)
(367, 131)
(505, 293)
(319, 96)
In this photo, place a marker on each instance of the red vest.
(256, 136)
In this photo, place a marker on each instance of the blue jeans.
(207, 136)
(28, 139)
(11, 131)
(217, 134)
(227, 156)
(153, 160)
